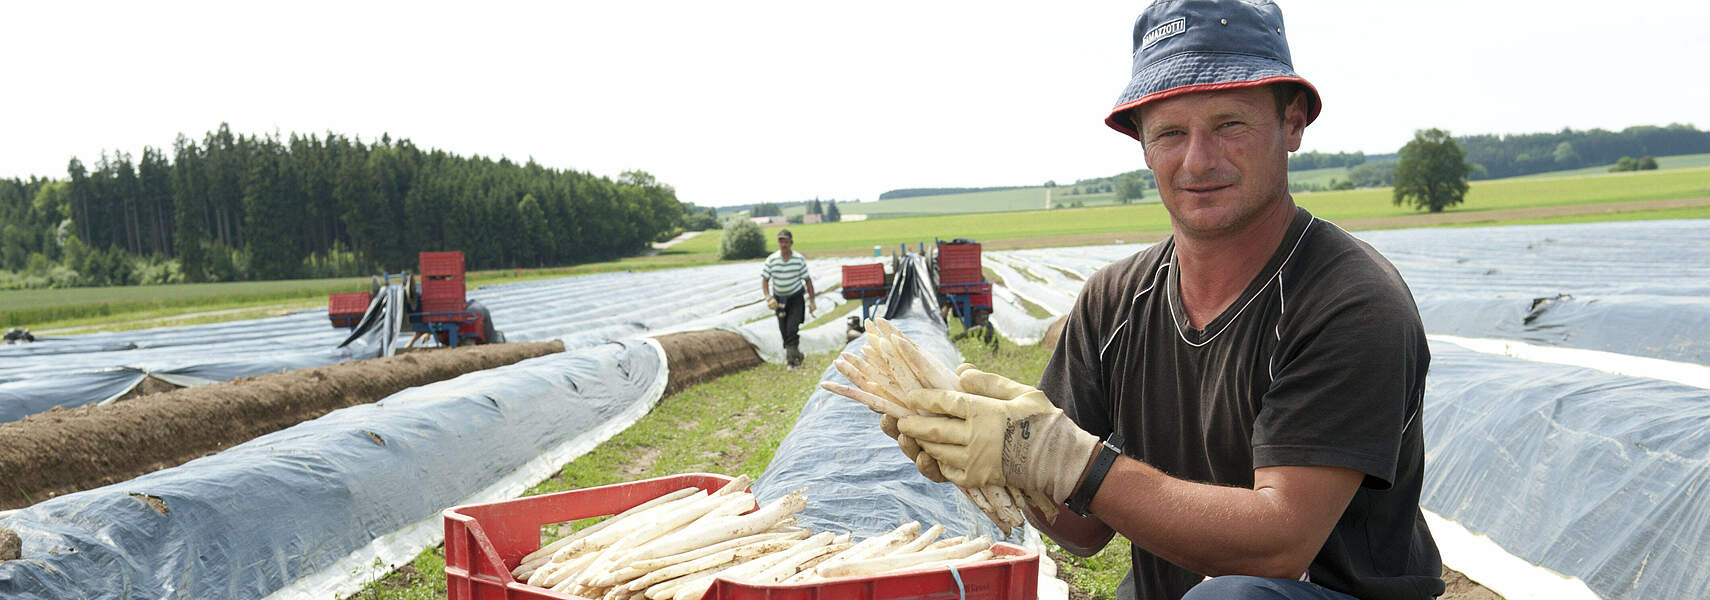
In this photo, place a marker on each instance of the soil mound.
(697, 356)
(1054, 332)
(63, 451)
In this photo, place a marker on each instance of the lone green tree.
(1130, 188)
(742, 240)
(1432, 172)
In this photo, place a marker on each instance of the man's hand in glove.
(772, 303)
(924, 462)
(1000, 433)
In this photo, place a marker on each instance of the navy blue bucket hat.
(1185, 46)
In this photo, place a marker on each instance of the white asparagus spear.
(874, 403)
(665, 561)
(920, 542)
(788, 567)
(885, 563)
(786, 560)
(981, 556)
(723, 529)
(546, 551)
(607, 536)
(932, 374)
(736, 485)
(881, 381)
(739, 553)
(947, 542)
(600, 573)
(678, 570)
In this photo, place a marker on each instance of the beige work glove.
(923, 462)
(772, 303)
(1000, 433)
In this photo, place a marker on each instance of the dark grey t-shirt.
(1320, 362)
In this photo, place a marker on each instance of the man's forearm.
(1218, 530)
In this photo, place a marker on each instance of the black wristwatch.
(1080, 500)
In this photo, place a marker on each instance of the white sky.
(736, 102)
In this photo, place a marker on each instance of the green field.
(1319, 177)
(975, 202)
(851, 237)
(1028, 199)
(1684, 161)
(1520, 193)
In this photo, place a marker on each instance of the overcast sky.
(736, 102)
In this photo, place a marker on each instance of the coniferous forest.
(234, 207)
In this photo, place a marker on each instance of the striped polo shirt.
(787, 275)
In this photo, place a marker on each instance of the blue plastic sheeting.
(856, 478)
(1639, 287)
(27, 396)
(582, 311)
(72, 372)
(245, 522)
(1587, 473)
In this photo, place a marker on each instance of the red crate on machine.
(443, 295)
(346, 309)
(483, 542)
(442, 286)
(959, 263)
(863, 281)
(980, 295)
(442, 264)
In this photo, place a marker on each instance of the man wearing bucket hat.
(783, 281)
(1242, 400)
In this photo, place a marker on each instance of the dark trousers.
(791, 309)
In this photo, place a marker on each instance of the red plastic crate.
(483, 542)
(959, 263)
(441, 264)
(1010, 579)
(352, 304)
(980, 295)
(864, 276)
(859, 293)
(441, 295)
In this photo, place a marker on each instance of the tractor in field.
(433, 305)
(957, 278)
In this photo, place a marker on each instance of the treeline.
(1305, 161)
(918, 192)
(1495, 156)
(234, 207)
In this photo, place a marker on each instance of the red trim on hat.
(1126, 126)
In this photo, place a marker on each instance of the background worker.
(1257, 379)
(783, 281)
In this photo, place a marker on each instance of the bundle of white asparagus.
(674, 545)
(889, 367)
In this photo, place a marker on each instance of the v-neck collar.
(1173, 287)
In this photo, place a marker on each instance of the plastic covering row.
(250, 520)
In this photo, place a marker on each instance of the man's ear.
(1294, 119)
